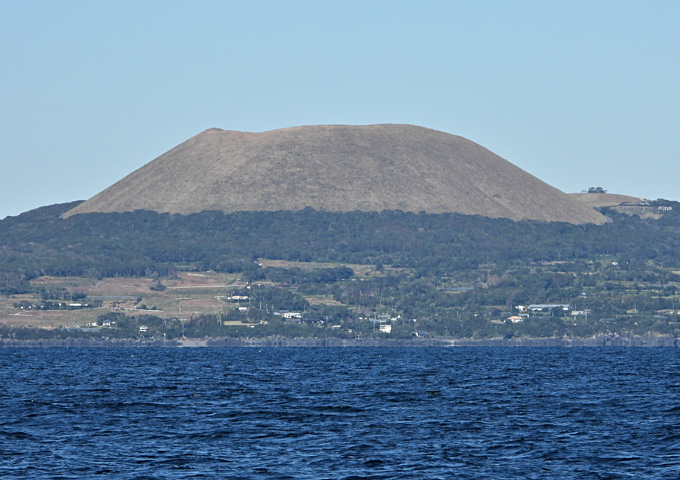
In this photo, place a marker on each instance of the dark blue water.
(340, 413)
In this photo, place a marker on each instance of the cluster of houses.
(50, 305)
(383, 322)
(238, 299)
(643, 202)
(525, 311)
(289, 315)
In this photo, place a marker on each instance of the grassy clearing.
(190, 293)
(360, 270)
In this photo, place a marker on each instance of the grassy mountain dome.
(337, 168)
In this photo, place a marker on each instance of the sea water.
(352, 413)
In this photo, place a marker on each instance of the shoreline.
(283, 342)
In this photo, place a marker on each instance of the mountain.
(337, 168)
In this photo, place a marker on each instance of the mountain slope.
(595, 200)
(337, 168)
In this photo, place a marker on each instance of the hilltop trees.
(595, 190)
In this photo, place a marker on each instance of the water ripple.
(339, 413)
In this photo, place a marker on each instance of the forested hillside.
(144, 242)
(437, 268)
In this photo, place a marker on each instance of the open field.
(360, 270)
(321, 300)
(188, 294)
(47, 318)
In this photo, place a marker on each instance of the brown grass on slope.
(337, 168)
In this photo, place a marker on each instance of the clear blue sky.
(577, 93)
